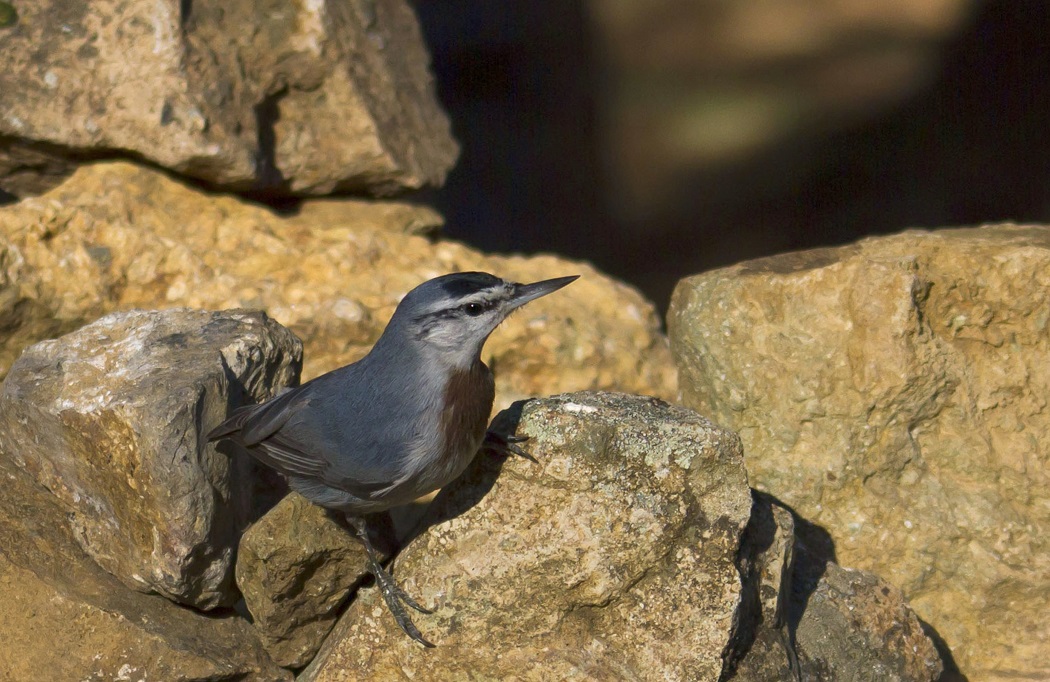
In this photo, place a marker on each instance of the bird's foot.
(395, 598)
(393, 595)
(507, 445)
(390, 586)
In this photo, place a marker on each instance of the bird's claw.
(507, 445)
(404, 597)
(393, 595)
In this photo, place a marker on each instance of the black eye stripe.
(472, 309)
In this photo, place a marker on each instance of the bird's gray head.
(454, 314)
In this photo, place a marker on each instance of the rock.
(64, 619)
(804, 617)
(763, 642)
(303, 98)
(26, 171)
(893, 392)
(111, 419)
(118, 236)
(857, 627)
(295, 568)
(612, 559)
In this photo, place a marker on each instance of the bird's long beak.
(523, 293)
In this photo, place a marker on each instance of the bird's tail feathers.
(234, 422)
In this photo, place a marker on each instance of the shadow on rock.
(804, 617)
(476, 480)
(762, 643)
(951, 668)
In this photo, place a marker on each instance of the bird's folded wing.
(264, 430)
(267, 419)
(251, 423)
(282, 453)
(288, 457)
(257, 428)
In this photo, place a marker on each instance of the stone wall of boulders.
(889, 398)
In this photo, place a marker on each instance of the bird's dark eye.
(474, 309)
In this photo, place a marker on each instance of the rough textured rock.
(805, 617)
(614, 558)
(63, 618)
(26, 171)
(295, 567)
(857, 627)
(117, 236)
(242, 95)
(763, 644)
(111, 419)
(894, 391)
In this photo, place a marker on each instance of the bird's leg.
(392, 594)
(506, 445)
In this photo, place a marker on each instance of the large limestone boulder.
(894, 392)
(64, 619)
(285, 98)
(119, 236)
(613, 558)
(111, 419)
(633, 551)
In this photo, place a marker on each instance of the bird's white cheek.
(454, 350)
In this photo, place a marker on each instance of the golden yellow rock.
(117, 236)
(613, 558)
(894, 391)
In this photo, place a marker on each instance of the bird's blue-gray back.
(325, 429)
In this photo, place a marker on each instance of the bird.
(401, 422)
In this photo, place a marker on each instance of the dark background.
(526, 85)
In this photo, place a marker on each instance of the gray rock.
(111, 419)
(893, 391)
(856, 627)
(295, 568)
(64, 619)
(614, 558)
(291, 98)
(803, 616)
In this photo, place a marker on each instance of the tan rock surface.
(300, 98)
(894, 391)
(612, 559)
(64, 619)
(295, 568)
(118, 236)
(112, 419)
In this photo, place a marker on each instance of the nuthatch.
(401, 422)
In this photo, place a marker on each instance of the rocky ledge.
(634, 549)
